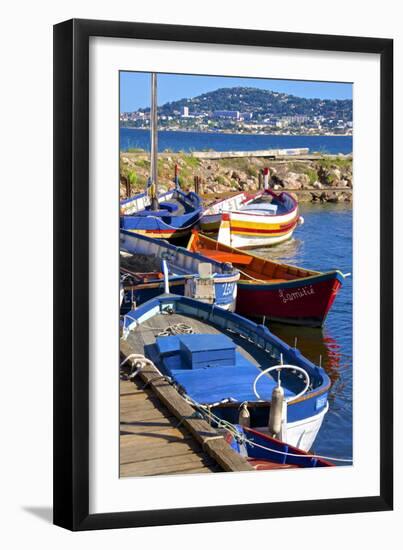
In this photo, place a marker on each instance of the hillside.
(262, 103)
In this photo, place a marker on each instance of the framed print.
(223, 274)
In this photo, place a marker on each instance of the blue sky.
(135, 87)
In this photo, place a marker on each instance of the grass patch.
(142, 163)
(221, 180)
(336, 162)
(192, 162)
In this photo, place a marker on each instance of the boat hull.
(267, 453)
(220, 288)
(225, 291)
(250, 229)
(136, 217)
(303, 302)
(302, 433)
(276, 291)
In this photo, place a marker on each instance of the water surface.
(199, 141)
(323, 243)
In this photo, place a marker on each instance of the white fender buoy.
(276, 411)
(244, 416)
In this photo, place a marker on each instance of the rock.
(336, 173)
(235, 176)
(334, 198)
(317, 185)
(276, 181)
(324, 176)
(292, 181)
(304, 179)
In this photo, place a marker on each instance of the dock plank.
(167, 465)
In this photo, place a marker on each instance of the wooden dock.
(160, 433)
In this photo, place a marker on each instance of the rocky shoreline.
(319, 180)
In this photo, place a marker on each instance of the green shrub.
(143, 163)
(221, 180)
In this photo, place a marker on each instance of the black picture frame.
(71, 274)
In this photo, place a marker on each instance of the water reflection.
(285, 252)
(315, 344)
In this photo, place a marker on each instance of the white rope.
(138, 364)
(179, 328)
(250, 276)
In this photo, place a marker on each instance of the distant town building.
(185, 111)
(226, 114)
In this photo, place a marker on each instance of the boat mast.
(154, 144)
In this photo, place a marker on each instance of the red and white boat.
(274, 290)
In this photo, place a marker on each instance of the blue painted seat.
(170, 206)
(147, 213)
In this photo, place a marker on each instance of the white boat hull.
(241, 223)
(243, 241)
(302, 434)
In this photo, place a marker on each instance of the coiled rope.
(179, 328)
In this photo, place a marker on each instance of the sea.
(199, 141)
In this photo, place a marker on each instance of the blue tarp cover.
(210, 384)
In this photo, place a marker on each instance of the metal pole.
(154, 143)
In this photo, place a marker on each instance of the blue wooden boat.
(189, 273)
(177, 213)
(266, 453)
(161, 216)
(227, 365)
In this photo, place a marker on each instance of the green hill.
(262, 103)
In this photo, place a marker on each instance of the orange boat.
(273, 290)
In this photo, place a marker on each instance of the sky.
(135, 88)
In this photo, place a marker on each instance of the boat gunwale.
(336, 273)
(248, 199)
